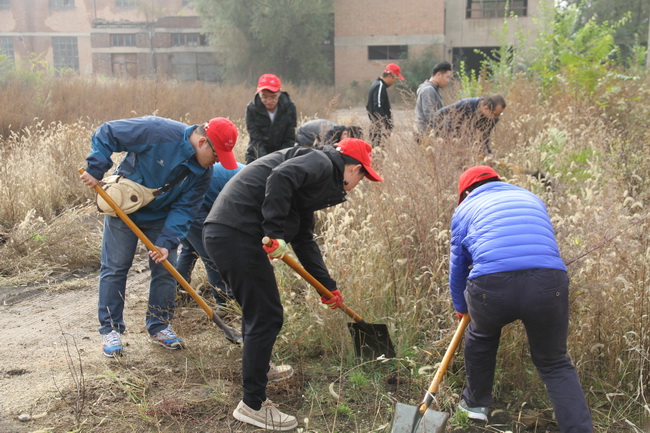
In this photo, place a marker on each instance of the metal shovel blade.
(371, 340)
(406, 418)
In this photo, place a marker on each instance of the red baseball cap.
(392, 68)
(362, 152)
(222, 133)
(269, 82)
(473, 175)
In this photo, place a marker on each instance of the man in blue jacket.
(159, 152)
(192, 245)
(505, 265)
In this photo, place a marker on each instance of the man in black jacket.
(378, 107)
(276, 196)
(271, 119)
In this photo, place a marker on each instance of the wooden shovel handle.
(437, 378)
(322, 290)
(230, 333)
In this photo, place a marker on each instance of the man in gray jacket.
(429, 99)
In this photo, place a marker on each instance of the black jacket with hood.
(277, 196)
(266, 136)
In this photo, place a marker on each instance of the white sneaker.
(477, 413)
(278, 373)
(268, 417)
(112, 344)
(167, 338)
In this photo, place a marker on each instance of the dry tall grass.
(388, 245)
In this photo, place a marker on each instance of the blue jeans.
(192, 247)
(540, 299)
(118, 249)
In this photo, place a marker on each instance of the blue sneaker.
(112, 344)
(167, 338)
(477, 413)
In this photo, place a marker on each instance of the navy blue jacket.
(220, 177)
(158, 150)
(462, 115)
(498, 228)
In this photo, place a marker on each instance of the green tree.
(631, 33)
(283, 37)
(575, 55)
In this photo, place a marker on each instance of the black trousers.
(540, 299)
(246, 268)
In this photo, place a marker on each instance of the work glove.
(460, 315)
(335, 302)
(277, 249)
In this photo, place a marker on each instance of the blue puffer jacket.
(157, 149)
(498, 228)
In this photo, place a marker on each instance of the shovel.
(370, 340)
(412, 419)
(228, 332)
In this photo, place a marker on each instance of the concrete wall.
(361, 23)
(477, 32)
(434, 27)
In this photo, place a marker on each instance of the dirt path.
(51, 338)
(37, 323)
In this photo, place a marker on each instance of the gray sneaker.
(278, 373)
(478, 413)
(167, 338)
(268, 417)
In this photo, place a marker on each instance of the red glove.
(277, 249)
(460, 316)
(335, 302)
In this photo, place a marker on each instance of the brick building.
(129, 38)
(123, 38)
(369, 34)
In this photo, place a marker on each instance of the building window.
(61, 3)
(5, 4)
(188, 40)
(124, 65)
(123, 40)
(126, 3)
(387, 52)
(496, 8)
(66, 54)
(7, 47)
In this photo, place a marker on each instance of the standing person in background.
(378, 106)
(192, 245)
(474, 116)
(504, 266)
(271, 119)
(320, 132)
(277, 196)
(158, 152)
(429, 99)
